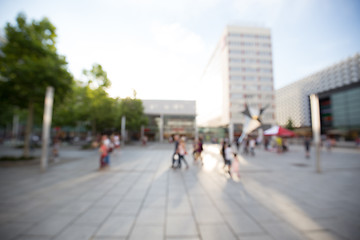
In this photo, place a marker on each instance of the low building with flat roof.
(169, 117)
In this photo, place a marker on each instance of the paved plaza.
(278, 197)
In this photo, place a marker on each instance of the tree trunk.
(29, 124)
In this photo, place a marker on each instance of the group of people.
(180, 151)
(107, 146)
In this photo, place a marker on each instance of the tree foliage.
(289, 124)
(28, 64)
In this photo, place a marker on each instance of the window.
(235, 60)
(265, 79)
(250, 78)
(266, 88)
(265, 70)
(250, 69)
(264, 53)
(250, 60)
(235, 78)
(263, 61)
(264, 37)
(251, 87)
(249, 43)
(235, 51)
(235, 68)
(236, 95)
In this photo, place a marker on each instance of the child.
(235, 166)
(103, 154)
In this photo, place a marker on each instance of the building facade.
(238, 73)
(338, 88)
(169, 117)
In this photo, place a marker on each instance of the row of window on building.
(251, 78)
(251, 87)
(254, 36)
(262, 70)
(251, 60)
(249, 52)
(249, 44)
(251, 96)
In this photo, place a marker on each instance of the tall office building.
(239, 72)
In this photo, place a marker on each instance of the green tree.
(133, 110)
(290, 124)
(28, 64)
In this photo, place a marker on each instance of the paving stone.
(127, 208)
(216, 231)
(52, 225)
(282, 231)
(179, 206)
(77, 232)
(242, 224)
(116, 226)
(151, 216)
(208, 215)
(13, 229)
(94, 216)
(181, 226)
(147, 232)
(322, 235)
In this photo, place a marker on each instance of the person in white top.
(228, 158)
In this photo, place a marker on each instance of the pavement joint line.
(142, 204)
(81, 214)
(236, 203)
(166, 202)
(213, 202)
(115, 206)
(191, 206)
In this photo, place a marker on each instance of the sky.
(160, 48)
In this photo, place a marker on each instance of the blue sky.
(160, 48)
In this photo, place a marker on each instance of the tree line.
(29, 63)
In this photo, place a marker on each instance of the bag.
(176, 156)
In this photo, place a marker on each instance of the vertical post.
(231, 132)
(123, 133)
(161, 128)
(315, 122)
(196, 129)
(15, 129)
(142, 134)
(49, 99)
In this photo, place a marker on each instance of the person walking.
(175, 156)
(103, 154)
(307, 147)
(228, 158)
(182, 152)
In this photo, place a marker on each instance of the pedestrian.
(252, 144)
(182, 152)
(222, 151)
(235, 166)
(246, 146)
(228, 158)
(103, 154)
(175, 156)
(198, 148)
(307, 147)
(109, 148)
